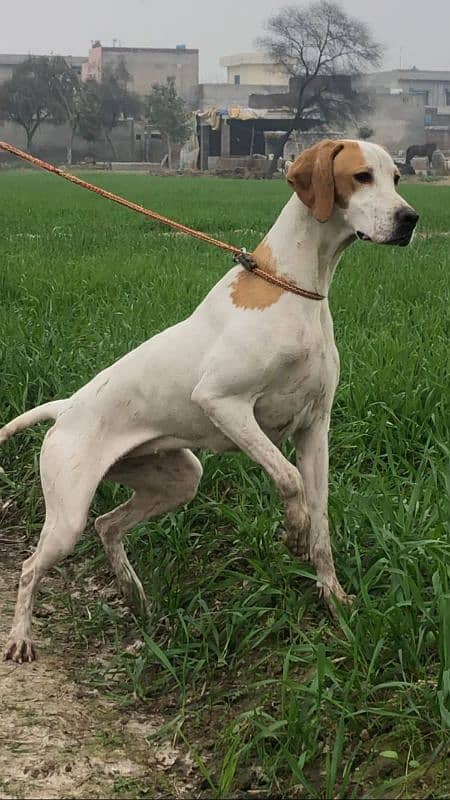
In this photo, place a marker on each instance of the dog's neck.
(304, 250)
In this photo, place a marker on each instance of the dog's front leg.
(234, 416)
(311, 446)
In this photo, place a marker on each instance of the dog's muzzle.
(405, 221)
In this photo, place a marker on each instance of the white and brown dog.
(252, 365)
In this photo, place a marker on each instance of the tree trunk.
(112, 148)
(278, 153)
(30, 131)
(252, 142)
(169, 152)
(70, 146)
(30, 134)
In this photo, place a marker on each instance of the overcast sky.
(414, 33)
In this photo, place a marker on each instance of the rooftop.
(179, 50)
(18, 58)
(246, 58)
(414, 74)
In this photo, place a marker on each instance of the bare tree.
(321, 47)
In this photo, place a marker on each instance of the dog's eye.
(364, 177)
(396, 179)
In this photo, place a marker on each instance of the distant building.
(147, 66)
(231, 131)
(411, 106)
(254, 69)
(431, 85)
(221, 95)
(9, 61)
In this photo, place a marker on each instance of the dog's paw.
(334, 596)
(133, 593)
(297, 543)
(296, 535)
(20, 650)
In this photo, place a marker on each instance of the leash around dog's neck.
(240, 254)
(248, 262)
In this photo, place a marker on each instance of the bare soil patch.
(60, 739)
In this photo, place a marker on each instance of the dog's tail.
(38, 414)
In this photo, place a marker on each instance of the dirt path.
(59, 739)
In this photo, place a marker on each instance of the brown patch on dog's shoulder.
(347, 163)
(252, 292)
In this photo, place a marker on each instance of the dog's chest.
(303, 391)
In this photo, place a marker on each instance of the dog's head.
(357, 180)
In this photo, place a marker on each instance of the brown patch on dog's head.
(252, 292)
(349, 162)
(324, 175)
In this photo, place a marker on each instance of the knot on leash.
(245, 259)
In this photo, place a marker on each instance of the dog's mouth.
(398, 241)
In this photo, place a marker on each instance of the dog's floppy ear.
(311, 175)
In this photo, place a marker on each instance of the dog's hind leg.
(68, 491)
(161, 483)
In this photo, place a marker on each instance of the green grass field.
(270, 696)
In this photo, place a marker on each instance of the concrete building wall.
(224, 95)
(435, 93)
(398, 121)
(50, 143)
(434, 85)
(402, 104)
(92, 67)
(7, 64)
(437, 127)
(256, 74)
(254, 69)
(147, 66)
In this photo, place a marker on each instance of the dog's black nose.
(407, 217)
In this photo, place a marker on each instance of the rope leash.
(240, 254)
